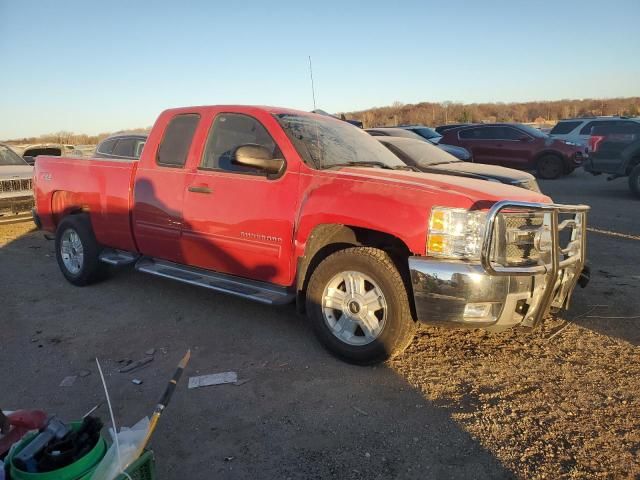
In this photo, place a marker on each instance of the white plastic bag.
(130, 441)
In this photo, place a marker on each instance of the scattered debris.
(84, 373)
(135, 365)
(151, 351)
(136, 381)
(360, 411)
(68, 381)
(558, 330)
(242, 382)
(213, 379)
(92, 410)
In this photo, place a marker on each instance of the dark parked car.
(615, 150)
(430, 159)
(126, 146)
(516, 146)
(425, 132)
(51, 149)
(458, 152)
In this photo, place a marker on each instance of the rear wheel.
(550, 167)
(358, 306)
(634, 180)
(77, 251)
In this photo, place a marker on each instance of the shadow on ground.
(302, 413)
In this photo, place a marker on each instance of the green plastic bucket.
(75, 471)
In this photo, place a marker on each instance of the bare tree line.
(70, 138)
(429, 113)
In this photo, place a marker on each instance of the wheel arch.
(633, 159)
(326, 239)
(63, 204)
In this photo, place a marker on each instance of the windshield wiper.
(366, 164)
(444, 163)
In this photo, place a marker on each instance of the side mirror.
(258, 157)
(523, 138)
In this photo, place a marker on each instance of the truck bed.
(101, 186)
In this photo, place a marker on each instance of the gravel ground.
(556, 402)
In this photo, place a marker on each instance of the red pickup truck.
(280, 206)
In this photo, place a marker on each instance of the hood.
(8, 172)
(458, 152)
(481, 171)
(472, 189)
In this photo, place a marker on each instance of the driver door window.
(230, 131)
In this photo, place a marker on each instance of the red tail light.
(594, 142)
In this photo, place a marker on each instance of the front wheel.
(77, 251)
(358, 306)
(634, 180)
(550, 167)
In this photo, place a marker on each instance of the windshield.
(534, 132)
(428, 133)
(9, 157)
(420, 154)
(324, 142)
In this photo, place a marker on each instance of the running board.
(253, 290)
(117, 257)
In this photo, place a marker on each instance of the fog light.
(477, 310)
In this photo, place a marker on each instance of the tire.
(77, 251)
(550, 167)
(634, 181)
(374, 281)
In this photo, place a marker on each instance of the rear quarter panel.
(102, 188)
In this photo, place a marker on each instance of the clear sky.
(92, 66)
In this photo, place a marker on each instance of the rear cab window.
(176, 142)
(106, 147)
(124, 147)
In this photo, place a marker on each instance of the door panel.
(235, 219)
(157, 216)
(243, 227)
(158, 192)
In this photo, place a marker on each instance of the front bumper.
(485, 295)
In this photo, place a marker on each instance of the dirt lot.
(543, 404)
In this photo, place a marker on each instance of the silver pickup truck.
(16, 187)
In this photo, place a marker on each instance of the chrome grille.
(16, 185)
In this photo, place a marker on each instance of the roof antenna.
(313, 91)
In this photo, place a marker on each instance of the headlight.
(455, 233)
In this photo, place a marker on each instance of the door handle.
(200, 189)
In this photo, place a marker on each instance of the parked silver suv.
(578, 130)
